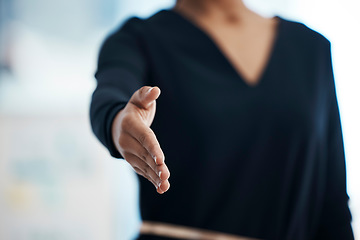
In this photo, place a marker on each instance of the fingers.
(145, 96)
(146, 137)
(130, 145)
(140, 172)
(143, 169)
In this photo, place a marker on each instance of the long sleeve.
(276, 149)
(121, 71)
(336, 217)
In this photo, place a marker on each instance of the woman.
(247, 119)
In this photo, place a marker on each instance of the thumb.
(145, 96)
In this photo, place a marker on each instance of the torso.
(243, 160)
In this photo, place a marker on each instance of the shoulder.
(123, 44)
(126, 42)
(131, 26)
(126, 36)
(136, 25)
(314, 49)
(303, 36)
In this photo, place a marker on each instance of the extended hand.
(135, 140)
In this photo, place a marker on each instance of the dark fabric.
(264, 161)
(152, 237)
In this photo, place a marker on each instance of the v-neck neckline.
(262, 76)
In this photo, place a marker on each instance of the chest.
(215, 101)
(246, 48)
(202, 80)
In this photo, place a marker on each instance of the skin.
(228, 23)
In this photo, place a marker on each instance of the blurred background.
(56, 181)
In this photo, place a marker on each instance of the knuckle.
(142, 90)
(125, 122)
(147, 170)
(144, 137)
(143, 157)
(145, 154)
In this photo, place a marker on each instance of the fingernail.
(160, 175)
(155, 160)
(149, 90)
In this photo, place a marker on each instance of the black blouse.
(264, 161)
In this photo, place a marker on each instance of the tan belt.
(182, 232)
